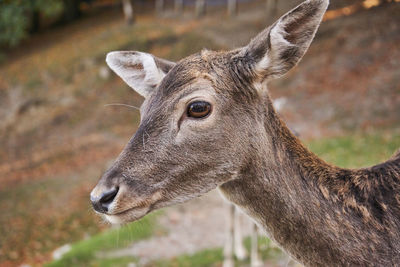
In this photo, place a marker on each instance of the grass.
(357, 150)
(214, 257)
(113, 262)
(207, 257)
(85, 253)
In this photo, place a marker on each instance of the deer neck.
(280, 187)
(320, 214)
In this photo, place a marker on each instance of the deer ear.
(141, 71)
(280, 47)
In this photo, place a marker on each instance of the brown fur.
(320, 214)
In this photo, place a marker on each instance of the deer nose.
(102, 203)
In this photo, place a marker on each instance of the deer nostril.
(108, 197)
(102, 204)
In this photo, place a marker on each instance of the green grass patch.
(214, 257)
(85, 253)
(207, 257)
(355, 151)
(113, 262)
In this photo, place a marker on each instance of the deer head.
(200, 118)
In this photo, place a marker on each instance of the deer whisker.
(124, 105)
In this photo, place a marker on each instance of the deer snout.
(102, 198)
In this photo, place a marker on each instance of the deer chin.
(127, 216)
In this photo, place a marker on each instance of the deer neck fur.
(310, 207)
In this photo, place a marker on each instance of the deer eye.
(198, 109)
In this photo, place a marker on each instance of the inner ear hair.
(141, 71)
(163, 64)
(280, 47)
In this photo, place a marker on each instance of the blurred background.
(57, 136)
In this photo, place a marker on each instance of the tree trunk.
(232, 8)
(200, 8)
(128, 11)
(71, 10)
(35, 21)
(159, 7)
(178, 6)
(34, 17)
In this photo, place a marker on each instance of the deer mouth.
(129, 215)
(134, 212)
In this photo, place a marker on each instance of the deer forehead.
(194, 76)
(193, 69)
(176, 98)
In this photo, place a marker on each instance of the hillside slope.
(57, 137)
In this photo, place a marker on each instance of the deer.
(208, 122)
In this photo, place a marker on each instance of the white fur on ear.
(279, 48)
(139, 70)
(278, 43)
